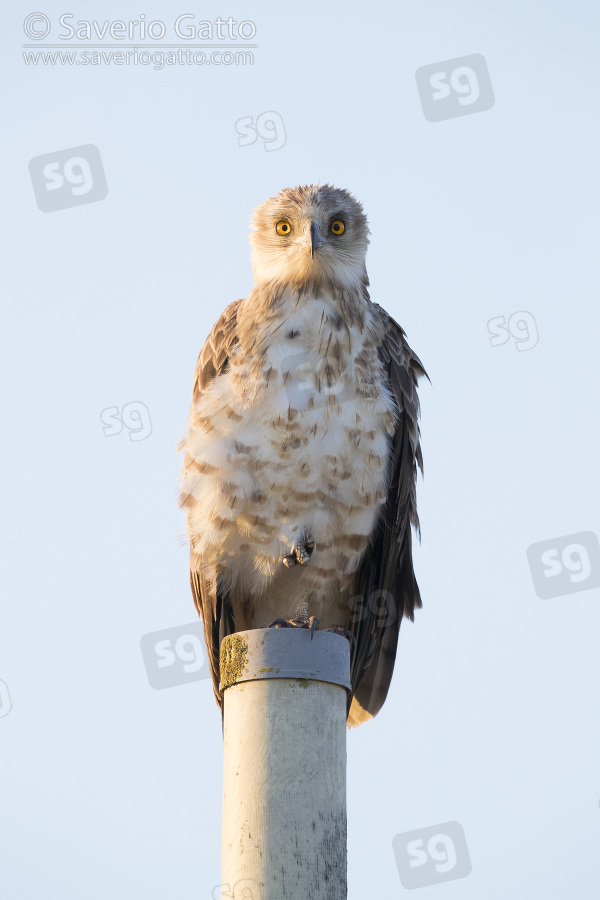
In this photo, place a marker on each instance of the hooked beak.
(316, 238)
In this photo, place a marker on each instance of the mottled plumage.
(303, 446)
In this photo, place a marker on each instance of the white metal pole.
(284, 765)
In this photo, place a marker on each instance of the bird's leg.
(301, 552)
(312, 622)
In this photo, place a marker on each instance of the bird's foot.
(301, 552)
(312, 622)
(343, 631)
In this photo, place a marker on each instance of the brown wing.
(212, 603)
(386, 588)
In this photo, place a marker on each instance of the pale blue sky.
(112, 789)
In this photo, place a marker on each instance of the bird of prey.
(301, 456)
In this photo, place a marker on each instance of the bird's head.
(312, 234)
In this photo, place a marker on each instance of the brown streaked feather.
(214, 608)
(387, 566)
(212, 603)
(213, 357)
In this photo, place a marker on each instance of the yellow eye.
(338, 226)
(283, 227)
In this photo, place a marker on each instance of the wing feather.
(386, 588)
(212, 602)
